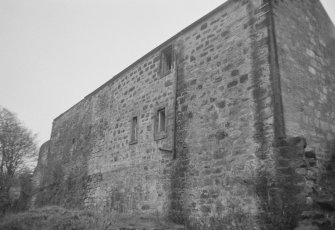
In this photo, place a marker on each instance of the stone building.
(200, 129)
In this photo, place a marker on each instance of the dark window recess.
(160, 124)
(161, 120)
(166, 60)
(134, 130)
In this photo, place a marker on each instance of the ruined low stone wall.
(302, 194)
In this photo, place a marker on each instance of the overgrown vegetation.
(57, 218)
(57, 189)
(52, 218)
(235, 218)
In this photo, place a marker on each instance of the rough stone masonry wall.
(225, 128)
(132, 177)
(40, 171)
(306, 198)
(224, 119)
(306, 50)
(228, 110)
(305, 39)
(64, 179)
(95, 164)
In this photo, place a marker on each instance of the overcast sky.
(55, 52)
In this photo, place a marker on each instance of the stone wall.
(224, 126)
(225, 118)
(235, 84)
(39, 172)
(306, 49)
(302, 193)
(91, 141)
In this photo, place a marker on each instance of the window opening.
(134, 129)
(160, 124)
(166, 61)
(161, 121)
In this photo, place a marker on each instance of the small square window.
(134, 130)
(160, 124)
(167, 60)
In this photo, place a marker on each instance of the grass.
(57, 218)
(52, 218)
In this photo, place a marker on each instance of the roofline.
(167, 42)
(326, 13)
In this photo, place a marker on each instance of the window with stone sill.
(134, 130)
(166, 60)
(160, 131)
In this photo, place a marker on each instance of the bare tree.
(17, 144)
